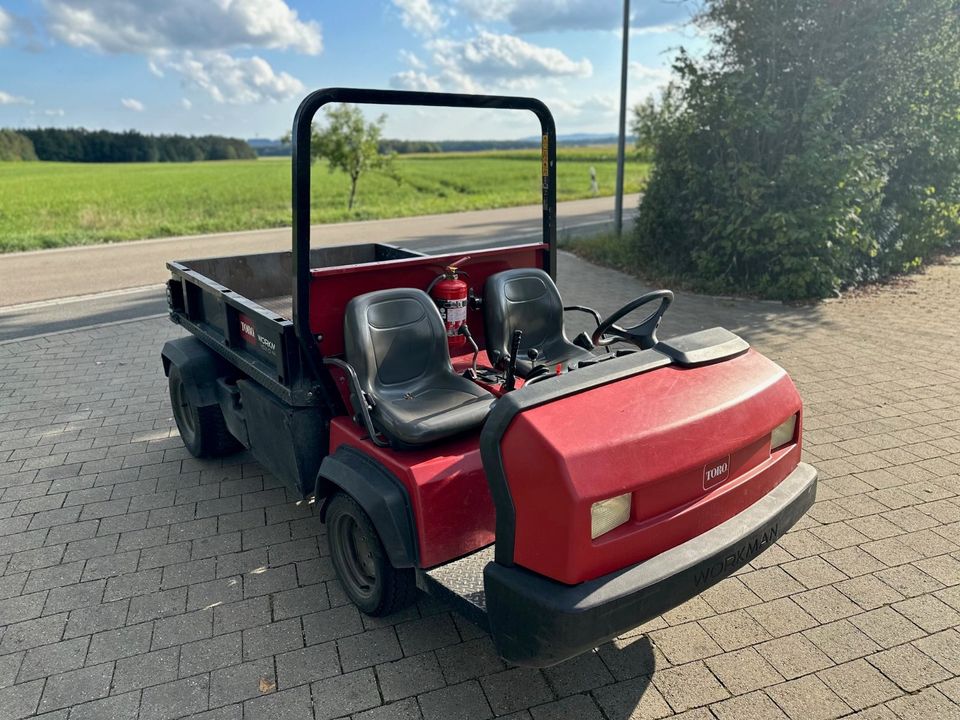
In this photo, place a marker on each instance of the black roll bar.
(302, 125)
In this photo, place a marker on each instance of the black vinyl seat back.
(396, 342)
(527, 299)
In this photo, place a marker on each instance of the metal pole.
(622, 137)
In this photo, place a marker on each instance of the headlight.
(609, 514)
(783, 433)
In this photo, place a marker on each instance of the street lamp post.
(622, 137)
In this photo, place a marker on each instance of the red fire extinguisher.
(449, 292)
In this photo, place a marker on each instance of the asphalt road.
(50, 291)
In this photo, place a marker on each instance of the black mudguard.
(199, 367)
(379, 493)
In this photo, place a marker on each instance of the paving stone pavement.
(138, 582)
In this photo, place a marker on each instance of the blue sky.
(239, 67)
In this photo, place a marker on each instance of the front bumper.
(538, 622)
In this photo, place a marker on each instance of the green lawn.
(54, 204)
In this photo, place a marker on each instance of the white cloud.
(233, 80)
(185, 103)
(490, 56)
(131, 26)
(527, 16)
(592, 109)
(194, 38)
(54, 112)
(409, 58)
(419, 16)
(6, 26)
(8, 99)
(648, 74)
(488, 62)
(664, 29)
(648, 80)
(132, 104)
(415, 80)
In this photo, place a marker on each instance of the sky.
(240, 67)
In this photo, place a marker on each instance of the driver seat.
(396, 342)
(527, 299)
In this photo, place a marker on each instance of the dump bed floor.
(461, 583)
(281, 304)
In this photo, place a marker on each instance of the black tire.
(203, 430)
(361, 563)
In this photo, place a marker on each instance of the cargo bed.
(242, 307)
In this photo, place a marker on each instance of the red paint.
(447, 486)
(653, 435)
(332, 288)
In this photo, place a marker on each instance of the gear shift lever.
(510, 381)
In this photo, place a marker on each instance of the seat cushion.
(397, 344)
(432, 413)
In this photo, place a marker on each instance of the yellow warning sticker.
(544, 155)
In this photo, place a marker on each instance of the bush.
(816, 147)
(14, 146)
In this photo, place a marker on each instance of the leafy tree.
(652, 116)
(14, 146)
(351, 144)
(816, 146)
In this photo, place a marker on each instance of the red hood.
(658, 435)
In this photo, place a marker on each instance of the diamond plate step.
(461, 583)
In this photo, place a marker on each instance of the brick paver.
(137, 582)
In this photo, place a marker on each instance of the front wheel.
(361, 563)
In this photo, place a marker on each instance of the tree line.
(81, 145)
(387, 146)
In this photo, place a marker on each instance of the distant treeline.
(80, 145)
(427, 146)
(405, 147)
(15, 146)
(276, 148)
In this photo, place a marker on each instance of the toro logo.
(247, 330)
(249, 333)
(716, 472)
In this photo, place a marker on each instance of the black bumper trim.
(539, 622)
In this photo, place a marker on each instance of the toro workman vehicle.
(555, 492)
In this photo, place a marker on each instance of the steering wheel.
(644, 334)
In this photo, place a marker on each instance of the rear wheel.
(203, 430)
(361, 563)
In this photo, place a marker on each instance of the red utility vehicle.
(557, 493)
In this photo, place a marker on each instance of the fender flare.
(199, 366)
(379, 493)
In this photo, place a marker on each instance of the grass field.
(46, 205)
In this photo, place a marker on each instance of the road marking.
(6, 309)
(95, 326)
